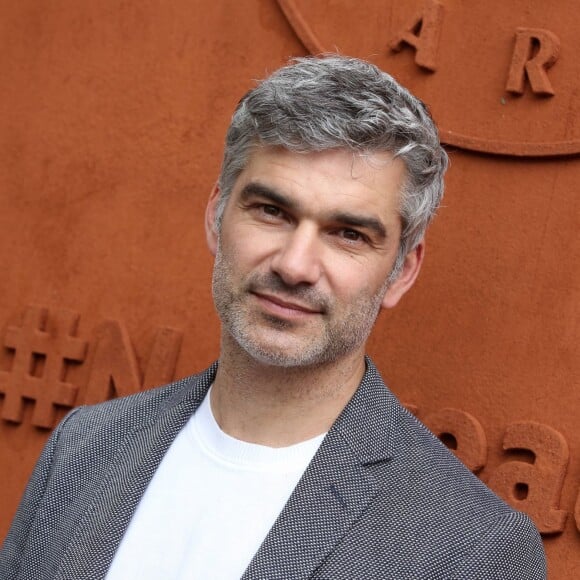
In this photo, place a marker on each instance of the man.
(289, 458)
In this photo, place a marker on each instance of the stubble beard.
(278, 342)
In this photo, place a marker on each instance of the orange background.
(113, 117)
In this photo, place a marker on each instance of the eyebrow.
(255, 188)
(373, 224)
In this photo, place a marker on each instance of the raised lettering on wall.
(423, 34)
(43, 346)
(577, 513)
(535, 51)
(115, 371)
(534, 487)
(462, 433)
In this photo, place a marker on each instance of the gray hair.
(331, 102)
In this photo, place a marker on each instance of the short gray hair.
(332, 102)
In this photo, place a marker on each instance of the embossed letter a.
(423, 35)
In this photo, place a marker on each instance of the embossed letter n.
(115, 370)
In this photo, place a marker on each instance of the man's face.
(303, 257)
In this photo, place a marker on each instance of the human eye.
(267, 212)
(352, 236)
(270, 210)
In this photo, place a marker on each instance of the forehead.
(335, 178)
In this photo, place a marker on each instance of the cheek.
(245, 248)
(351, 279)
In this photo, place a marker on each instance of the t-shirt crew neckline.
(244, 455)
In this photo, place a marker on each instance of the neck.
(280, 406)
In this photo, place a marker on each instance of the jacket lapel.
(91, 551)
(335, 489)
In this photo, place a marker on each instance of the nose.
(297, 261)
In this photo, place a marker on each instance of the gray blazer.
(382, 498)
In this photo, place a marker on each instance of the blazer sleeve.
(510, 549)
(16, 542)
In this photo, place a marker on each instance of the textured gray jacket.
(382, 498)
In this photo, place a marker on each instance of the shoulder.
(510, 547)
(138, 409)
(447, 495)
(437, 513)
(395, 444)
(86, 444)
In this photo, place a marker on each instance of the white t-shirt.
(209, 506)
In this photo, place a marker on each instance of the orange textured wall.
(113, 116)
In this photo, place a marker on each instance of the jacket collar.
(117, 495)
(331, 495)
(336, 488)
(367, 421)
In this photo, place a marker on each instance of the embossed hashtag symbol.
(38, 368)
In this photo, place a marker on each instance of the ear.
(406, 278)
(211, 232)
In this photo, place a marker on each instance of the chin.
(286, 354)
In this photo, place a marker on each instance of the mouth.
(288, 308)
